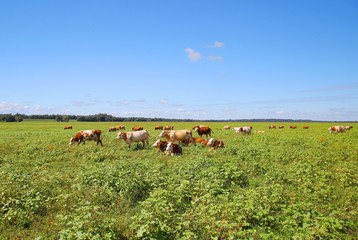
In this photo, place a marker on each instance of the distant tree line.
(103, 117)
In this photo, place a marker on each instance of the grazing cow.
(337, 129)
(215, 143)
(201, 130)
(272, 127)
(169, 128)
(112, 129)
(68, 127)
(137, 128)
(158, 128)
(84, 135)
(173, 149)
(305, 127)
(177, 135)
(161, 145)
(280, 127)
(136, 136)
(293, 126)
(348, 127)
(243, 130)
(226, 127)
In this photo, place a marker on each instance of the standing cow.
(136, 136)
(177, 135)
(84, 135)
(203, 130)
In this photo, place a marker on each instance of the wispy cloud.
(193, 55)
(215, 58)
(218, 44)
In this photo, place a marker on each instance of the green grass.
(282, 184)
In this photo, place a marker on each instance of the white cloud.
(215, 58)
(218, 44)
(163, 101)
(192, 55)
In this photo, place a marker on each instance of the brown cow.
(272, 127)
(293, 126)
(158, 128)
(203, 130)
(177, 135)
(169, 128)
(91, 135)
(137, 128)
(305, 127)
(68, 127)
(215, 143)
(280, 127)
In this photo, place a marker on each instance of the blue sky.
(181, 59)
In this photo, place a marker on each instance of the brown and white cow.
(272, 127)
(161, 145)
(336, 129)
(68, 127)
(348, 127)
(177, 135)
(173, 149)
(203, 130)
(215, 143)
(84, 135)
(226, 127)
(136, 136)
(169, 128)
(243, 130)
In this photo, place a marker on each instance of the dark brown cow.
(272, 127)
(293, 126)
(158, 128)
(203, 131)
(68, 127)
(91, 135)
(280, 127)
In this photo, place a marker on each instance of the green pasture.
(280, 184)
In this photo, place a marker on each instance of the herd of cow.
(138, 134)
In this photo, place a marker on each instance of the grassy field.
(281, 184)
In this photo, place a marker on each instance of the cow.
(305, 127)
(293, 126)
(348, 127)
(136, 136)
(67, 127)
(215, 143)
(173, 149)
(84, 135)
(112, 129)
(243, 130)
(158, 128)
(337, 129)
(201, 130)
(177, 135)
(272, 127)
(137, 128)
(169, 128)
(259, 131)
(161, 145)
(280, 127)
(193, 128)
(226, 127)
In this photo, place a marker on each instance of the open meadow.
(280, 184)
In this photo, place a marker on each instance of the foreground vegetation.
(282, 184)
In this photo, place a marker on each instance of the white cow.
(136, 136)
